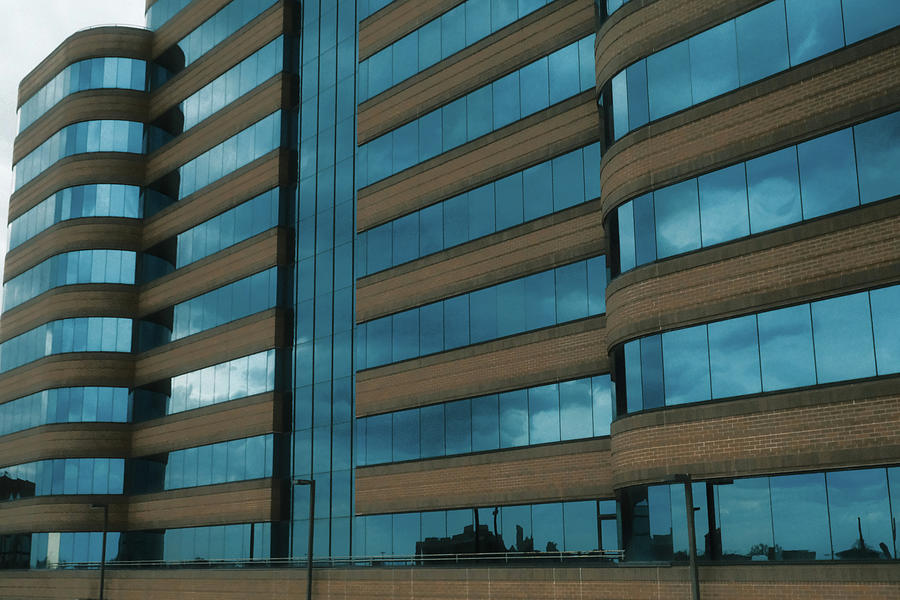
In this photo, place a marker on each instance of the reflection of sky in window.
(843, 330)
(686, 365)
(734, 357)
(543, 405)
(745, 517)
(774, 190)
(800, 516)
(886, 319)
(814, 28)
(859, 499)
(786, 349)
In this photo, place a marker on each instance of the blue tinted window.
(886, 321)
(762, 42)
(774, 190)
(714, 62)
(828, 174)
(686, 365)
(785, 339)
(669, 80)
(878, 147)
(734, 357)
(813, 29)
(677, 218)
(843, 338)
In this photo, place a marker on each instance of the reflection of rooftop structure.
(466, 542)
(13, 488)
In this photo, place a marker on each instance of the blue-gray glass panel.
(471, 116)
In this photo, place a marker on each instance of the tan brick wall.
(566, 471)
(552, 354)
(543, 244)
(831, 256)
(752, 582)
(823, 432)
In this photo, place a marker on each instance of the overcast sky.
(29, 31)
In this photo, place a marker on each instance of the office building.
(263, 243)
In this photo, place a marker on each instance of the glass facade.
(569, 410)
(837, 339)
(765, 41)
(323, 275)
(534, 87)
(66, 405)
(91, 74)
(828, 174)
(833, 515)
(83, 266)
(547, 187)
(81, 201)
(86, 136)
(84, 334)
(444, 36)
(548, 298)
(558, 527)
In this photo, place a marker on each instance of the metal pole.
(692, 539)
(105, 508)
(309, 550)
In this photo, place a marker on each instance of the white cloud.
(29, 31)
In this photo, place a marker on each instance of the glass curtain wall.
(323, 368)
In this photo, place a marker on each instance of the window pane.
(886, 320)
(677, 219)
(800, 517)
(540, 300)
(724, 212)
(864, 18)
(843, 338)
(459, 426)
(406, 435)
(774, 190)
(456, 322)
(785, 339)
(644, 229)
(638, 100)
(686, 365)
(714, 67)
(485, 423)
(575, 409)
(534, 87)
(547, 523)
(513, 419)
(828, 174)
(580, 526)
(652, 371)
(746, 519)
(431, 425)
(734, 357)
(860, 514)
(814, 28)
(877, 151)
(543, 414)
(571, 292)
(762, 42)
(517, 534)
(669, 80)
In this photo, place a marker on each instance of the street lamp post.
(692, 540)
(105, 508)
(309, 549)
